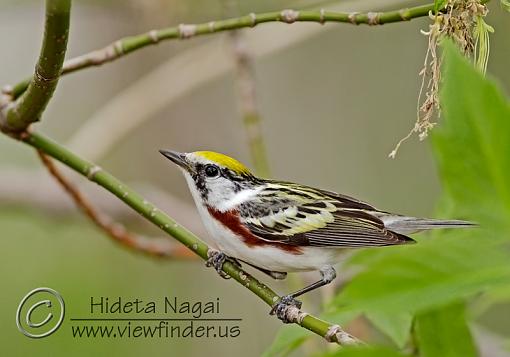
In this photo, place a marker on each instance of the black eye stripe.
(230, 175)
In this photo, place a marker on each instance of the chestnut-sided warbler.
(279, 227)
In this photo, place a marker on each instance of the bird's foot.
(217, 259)
(281, 306)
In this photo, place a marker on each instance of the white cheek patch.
(237, 199)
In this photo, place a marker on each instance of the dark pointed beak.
(177, 158)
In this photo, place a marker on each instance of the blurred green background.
(334, 100)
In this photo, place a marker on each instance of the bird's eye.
(212, 171)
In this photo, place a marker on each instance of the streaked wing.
(299, 215)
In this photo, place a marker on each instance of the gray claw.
(217, 259)
(280, 307)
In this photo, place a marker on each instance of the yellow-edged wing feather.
(300, 215)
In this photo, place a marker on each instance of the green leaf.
(439, 5)
(472, 147)
(505, 4)
(397, 326)
(432, 273)
(287, 340)
(444, 332)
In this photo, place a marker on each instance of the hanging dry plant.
(462, 21)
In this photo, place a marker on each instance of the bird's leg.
(328, 274)
(277, 275)
(217, 259)
(279, 309)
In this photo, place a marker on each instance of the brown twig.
(160, 247)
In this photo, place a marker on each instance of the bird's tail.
(408, 225)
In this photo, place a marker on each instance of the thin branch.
(17, 116)
(248, 104)
(129, 44)
(152, 246)
(332, 333)
(187, 70)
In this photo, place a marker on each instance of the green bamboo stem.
(130, 44)
(95, 174)
(16, 116)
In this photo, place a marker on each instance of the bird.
(279, 227)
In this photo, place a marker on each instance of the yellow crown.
(224, 160)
